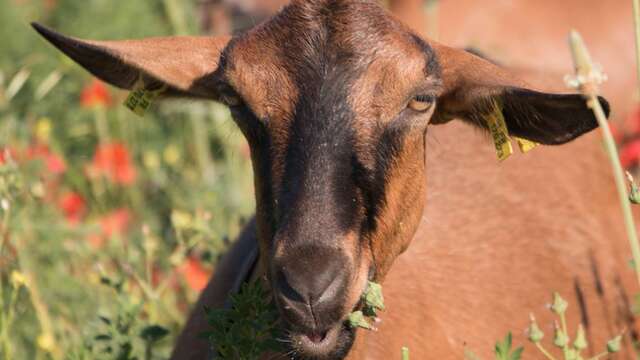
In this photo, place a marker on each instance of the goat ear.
(472, 84)
(184, 64)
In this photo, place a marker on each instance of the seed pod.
(572, 354)
(634, 193)
(560, 339)
(581, 339)
(559, 305)
(535, 334)
(613, 346)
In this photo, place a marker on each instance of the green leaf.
(517, 353)
(153, 333)
(357, 320)
(103, 337)
(373, 296)
(105, 319)
(503, 347)
(248, 328)
(503, 350)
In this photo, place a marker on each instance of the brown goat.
(340, 104)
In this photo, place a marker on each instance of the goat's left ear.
(184, 64)
(471, 84)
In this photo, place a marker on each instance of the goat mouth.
(334, 343)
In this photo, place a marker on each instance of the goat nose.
(312, 279)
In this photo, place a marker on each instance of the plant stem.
(431, 9)
(201, 143)
(5, 346)
(594, 104)
(176, 17)
(587, 76)
(599, 356)
(405, 353)
(544, 351)
(4, 317)
(40, 307)
(148, 351)
(563, 322)
(4, 228)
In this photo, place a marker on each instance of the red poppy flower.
(195, 274)
(53, 162)
(113, 161)
(630, 154)
(95, 94)
(115, 223)
(73, 206)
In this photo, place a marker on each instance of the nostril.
(287, 290)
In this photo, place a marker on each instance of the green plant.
(561, 338)
(405, 353)
(122, 336)
(248, 328)
(588, 79)
(373, 301)
(504, 351)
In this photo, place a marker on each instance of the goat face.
(335, 98)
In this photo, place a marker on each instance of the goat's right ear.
(184, 64)
(472, 86)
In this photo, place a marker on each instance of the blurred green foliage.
(160, 234)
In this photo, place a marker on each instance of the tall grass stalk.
(636, 19)
(47, 340)
(405, 353)
(587, 80)
(431, 9)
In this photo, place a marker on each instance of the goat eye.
(421, 103)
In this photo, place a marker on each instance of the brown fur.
(489, 241)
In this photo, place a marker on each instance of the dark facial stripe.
(318, 180)
(374, 182)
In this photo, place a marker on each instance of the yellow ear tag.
(499, 132)
(526, 145)
(140, 99)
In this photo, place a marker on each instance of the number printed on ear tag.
(140, 99)
(499, 132)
